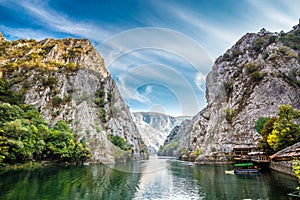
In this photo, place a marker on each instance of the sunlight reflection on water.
(158, 182)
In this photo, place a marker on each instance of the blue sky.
(158, 52)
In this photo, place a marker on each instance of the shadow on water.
(57, 182)
(152, 179)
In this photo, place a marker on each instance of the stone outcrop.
(252, 79)
(67, 80)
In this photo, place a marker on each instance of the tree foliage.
(267, 128)
(286, 130)
(25, 135)
(259, 124)
(296, 168)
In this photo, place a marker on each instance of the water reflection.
(158, 182)
(91, 182)
(152, 179)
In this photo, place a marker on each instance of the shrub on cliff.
(118, 141)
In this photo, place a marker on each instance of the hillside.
(67, 80)
(252, 79)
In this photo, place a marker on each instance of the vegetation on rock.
(26, 136)
(118, 141)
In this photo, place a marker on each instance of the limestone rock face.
(252, 79)
(178, 140)
(67, 80)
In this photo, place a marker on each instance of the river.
(157, 178)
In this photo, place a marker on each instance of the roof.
(243, 165)
(288, 153)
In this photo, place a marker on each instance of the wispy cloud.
(155, 38)
(169, 51)
(16, 33)
(281, 15)
(196, 22)
(59, 22)
(163, 76)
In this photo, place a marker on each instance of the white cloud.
(60, 22)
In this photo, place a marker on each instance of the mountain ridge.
(154, 127)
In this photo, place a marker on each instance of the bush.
(118, 141)
(33, 56)
(100, 93)
(103, 115)
(259, 124)
(272, 56)
(258, 44)
(68, 98)
(228, 88)
(197, 152)
(226, 57)
(229, 115)
(291, 40)
(272, 39)
(256, 76)
(99, 102)
(8, 95)
(56, 101)
(51, 80)
(71, 66)
(250, 67)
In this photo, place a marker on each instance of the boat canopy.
(244, 165)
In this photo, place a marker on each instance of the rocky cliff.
(67, 79)
(155, 127)
(252, 79)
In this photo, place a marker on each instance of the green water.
(152, 179)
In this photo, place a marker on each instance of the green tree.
(286, 131)
(265, 132)
(25, 135)
(9, 113)
(4, 148)
(62, 144)
(21, 140)
(259, 124)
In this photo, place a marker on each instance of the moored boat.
(245, 168)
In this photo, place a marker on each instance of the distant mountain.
(155, 127)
